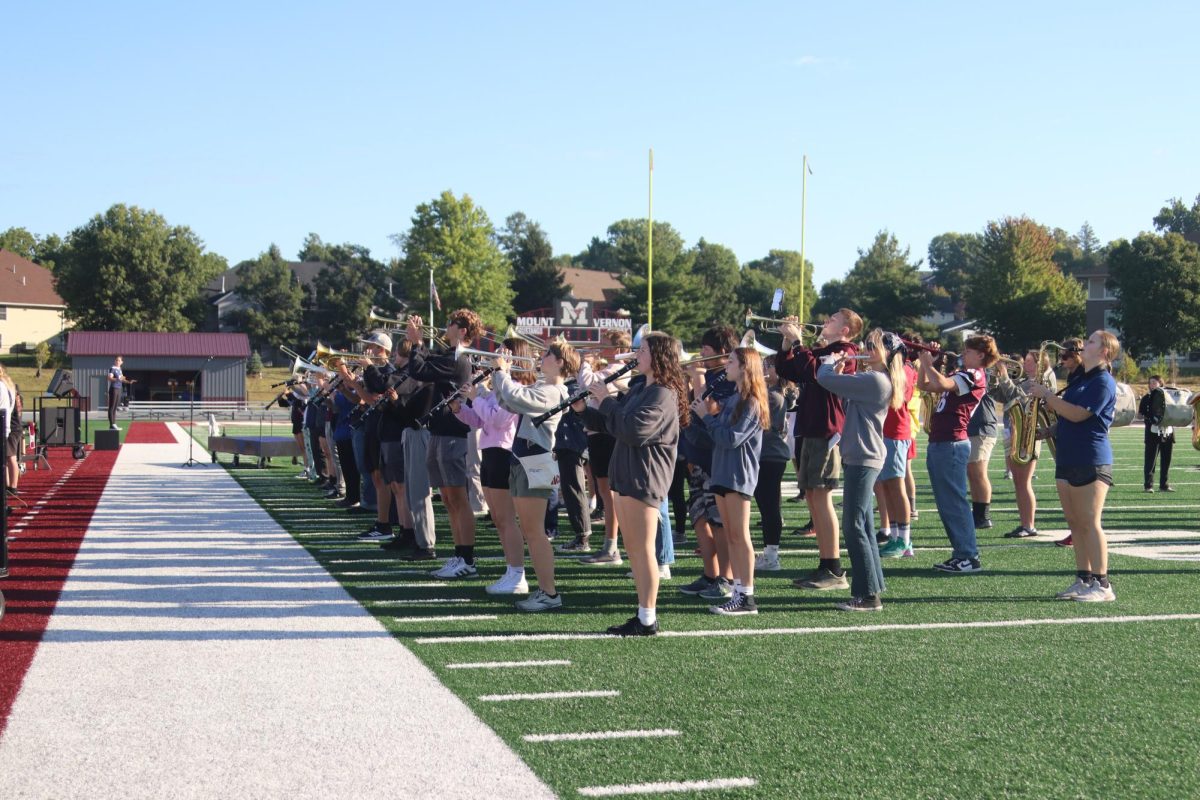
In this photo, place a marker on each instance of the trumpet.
(427, 331)
(325, 355)
(487, 355)
(773, 325)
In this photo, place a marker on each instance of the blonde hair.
(752, 385)
(1111, 345)
(566, 354)
(893, 365)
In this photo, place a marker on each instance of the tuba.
(1194, 402)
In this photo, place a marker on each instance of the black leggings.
(345, 456)
(767, 494)
(1155, 447)
(679, 504)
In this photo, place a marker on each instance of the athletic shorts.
(297, 426)
(494, 464)
(446, 461)
(1083, 476)
(14, 441)
(722, 491)
(981, 449)
(912, 449)
(600, 450)
(518, 484)
(702, 503)
(895, 460)
(820, 464)
(391, 461)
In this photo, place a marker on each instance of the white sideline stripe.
(593, 735)
(501, 698)
(667, 787)
(429, 601)
(557, 662)
(427, 584)
(378, 573)
(448, 618)
(917, 626)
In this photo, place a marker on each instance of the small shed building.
(163, 364)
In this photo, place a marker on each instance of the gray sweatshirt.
(774, 440)
(867, 395)
(530, 401)
(646, 427)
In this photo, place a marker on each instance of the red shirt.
(820, 414)
(954, 408)
(898, 422)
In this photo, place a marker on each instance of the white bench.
(179, 409)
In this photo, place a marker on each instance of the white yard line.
(559, 662)
(183, 664)
(916, 626)
(667, 787)
(504, 698)
(448, 618)
(590, 736)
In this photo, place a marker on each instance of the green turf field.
(823, 703)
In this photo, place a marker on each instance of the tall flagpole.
(803, 204)
(650, 250)
(431, 322)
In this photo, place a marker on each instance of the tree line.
(130, 269)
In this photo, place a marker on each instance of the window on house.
(3, 312)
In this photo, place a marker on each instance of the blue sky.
(259, 122)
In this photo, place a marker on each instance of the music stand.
(191, 461)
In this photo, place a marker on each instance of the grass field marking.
(419, 602)
(449, 618)
(914, 626)
(361, 560)
(554, 662)
(505, 698)
(656, 733)
(667, 787)
(425, 585)
(378, 572)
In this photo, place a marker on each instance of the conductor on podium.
(115, 378)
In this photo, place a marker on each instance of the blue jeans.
(664, 542)
(858, 529)
(358, 440)
(947, 465)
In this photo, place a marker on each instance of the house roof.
(305, 272)
(108, 343)
(590, 284)
(24, 283)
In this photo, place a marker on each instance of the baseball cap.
(379, 339)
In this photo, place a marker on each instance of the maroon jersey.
(954, 408)
(820, 414)
(898, 422)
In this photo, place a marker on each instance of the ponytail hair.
(752, 386)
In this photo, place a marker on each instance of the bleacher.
(179, 409)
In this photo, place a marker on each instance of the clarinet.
(540, 419)
(709, 389)
(398, 377)
(424, 419)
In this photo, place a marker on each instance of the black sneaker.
(405, 540)
(869, 603)
(598, 515)
(346, 502)
(959, 566)
(822, 579)
(421, 554)
(633, 627)
(697, 586)
(736, 606)
(805, 530)
(882, 537)
(983, 522)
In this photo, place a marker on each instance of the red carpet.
(149, 433)
(42, 553)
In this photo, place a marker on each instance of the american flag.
(433, 294)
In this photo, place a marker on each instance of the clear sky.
(256, 123)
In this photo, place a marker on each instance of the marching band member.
(1022, 474)
(1084, 462)
(446, 458)
(1159, 438)
(949, 449)
(371, 387)
(818, 426)
(1070, 357)
(600, 447)
(772, 464)
(898, 435)
(868, 397)
(498, 428)
(735, 425)
(646, 429)
(559, 362)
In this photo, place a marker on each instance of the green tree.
(784, 267)
(129, 270)
(273, 300)
(254, 365)
(1018, 293)
(833, 296)
(1157, 282)
(1176, 217)
(718, 270)
(599, 256)
(954, 258)
(456, 239)
(537, 277)
(38, 249)
(343, 293)
(41, 356)
(885, 288)
(314, 249)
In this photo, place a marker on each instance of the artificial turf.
(1087, 710)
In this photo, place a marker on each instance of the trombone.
(480, 356)
(427, 331)
(773, 325)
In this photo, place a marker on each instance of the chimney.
(222, 284)
(22, 280)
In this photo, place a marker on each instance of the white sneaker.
(509, 584)
(461, 570)
(1096, 594)
(114, 427)
(664, 572)
(450, 565)
(1072, 591)
(767, 563)
(540, 601)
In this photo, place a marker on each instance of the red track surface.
(41, 555)
(149, 433)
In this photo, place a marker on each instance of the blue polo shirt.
(1086, 444)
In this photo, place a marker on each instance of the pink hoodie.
(497, 427)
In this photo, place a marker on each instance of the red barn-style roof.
(187, 345)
